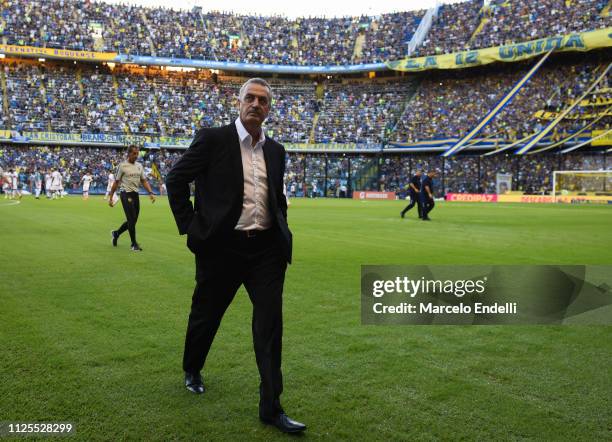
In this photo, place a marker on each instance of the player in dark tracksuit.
(414, 188)
(427, 195)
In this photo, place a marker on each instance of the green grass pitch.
(93, 334)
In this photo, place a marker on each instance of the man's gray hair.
(255, 80)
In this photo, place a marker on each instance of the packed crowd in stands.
(470, 25)
(451, 104)
(360, 113)
(317, 175)
(452, 29)
(68, 98)
(522, 20)
(136, 30)
(387, 36)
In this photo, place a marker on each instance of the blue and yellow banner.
(5, 134)
(64, 54)
(52, 137)
(597, 101)
(605, 140)
(544, 115)
(117, 139)
(584, 41)
(330, 146)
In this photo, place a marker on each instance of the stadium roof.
(311, 8)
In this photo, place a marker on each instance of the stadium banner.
(5, 134)
(248, 67)
(486, 294)
(110, 139)
(545, 115)
(546, 199)
(472, 197)
(603, 141)
(301, 147)
(174, 141)
(600, 101)
(51, 137)
(64, 54)
(584, 41)
(373, 195)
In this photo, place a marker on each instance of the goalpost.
(582, 185)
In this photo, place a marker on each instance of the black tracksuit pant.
(131, 206)
(428, 205)
(414, 200)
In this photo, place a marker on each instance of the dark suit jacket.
(214, 161)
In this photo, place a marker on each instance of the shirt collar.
(243, 134)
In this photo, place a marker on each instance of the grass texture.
(93, 334)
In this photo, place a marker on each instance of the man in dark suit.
(414, 188)
(238, 231)
(427, 194)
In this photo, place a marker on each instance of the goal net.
(571, 186)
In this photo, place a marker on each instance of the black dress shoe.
(193, 382)
(285, 424)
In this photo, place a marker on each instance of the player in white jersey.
(56, 183)
(48, 184)
(109, 186)
(38, 178)
(15, 184)
(86, 180)
(6, 184)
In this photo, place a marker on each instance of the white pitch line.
(10, 203)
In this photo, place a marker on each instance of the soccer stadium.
(491, 119)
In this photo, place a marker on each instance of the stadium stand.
(364, 123)
(330, 172)
(453, 28)
(521, 20)
(85, 25)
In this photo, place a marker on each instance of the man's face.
(132, 155)
(254, 105)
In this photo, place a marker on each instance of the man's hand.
(152, 198)
(110, 201)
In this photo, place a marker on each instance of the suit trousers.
(225, 265)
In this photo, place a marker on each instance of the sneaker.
(115, 237)
(136, 248)
(402, 214)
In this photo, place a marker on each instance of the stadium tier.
(166, 32)
(56, 97)
(357, 131)
(327, 175)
